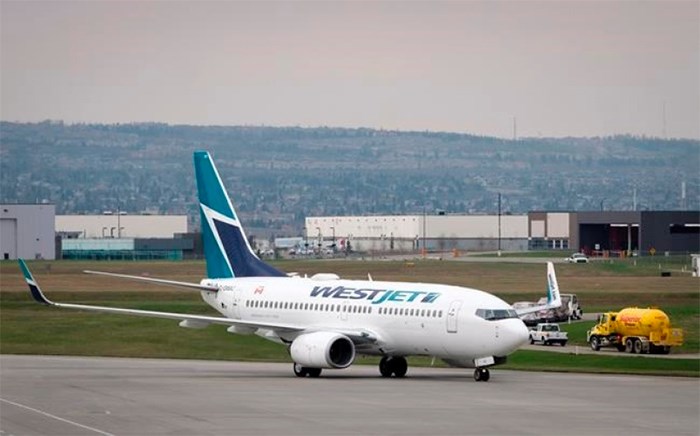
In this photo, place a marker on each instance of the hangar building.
(27, 231)
(645, 232)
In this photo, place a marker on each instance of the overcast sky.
(562, 68)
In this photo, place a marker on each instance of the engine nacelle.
(323, 350)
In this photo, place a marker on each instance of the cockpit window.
(496, 314)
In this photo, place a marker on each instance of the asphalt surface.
(43, 395)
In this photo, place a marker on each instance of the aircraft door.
(452, 316)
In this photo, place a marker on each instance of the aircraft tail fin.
(553, 296)
(226, 248)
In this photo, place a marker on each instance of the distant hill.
(279, 175)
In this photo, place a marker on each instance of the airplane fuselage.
(453, 323)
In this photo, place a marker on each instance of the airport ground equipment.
(635, 330)
(569, 310)
(546, 334)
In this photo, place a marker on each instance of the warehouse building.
(27, 231)
(403, 233)
(123, 236)
(597, 233)
(121, 225)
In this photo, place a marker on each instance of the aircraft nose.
(516, 334)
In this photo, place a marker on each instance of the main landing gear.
(302, 371)
(390, 365)
(482, 374)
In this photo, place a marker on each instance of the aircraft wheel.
(400, 366)
(313, 372)
(482, 374)
(385, 367)
(300, 371)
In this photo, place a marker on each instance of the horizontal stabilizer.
(186, 285)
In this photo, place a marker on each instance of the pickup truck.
(548, 334)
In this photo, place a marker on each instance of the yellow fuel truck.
(635, 330)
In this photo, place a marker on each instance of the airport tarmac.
(42, 395)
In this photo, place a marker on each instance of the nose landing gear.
(482, 374)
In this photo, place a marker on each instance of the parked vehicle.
(547, 334)
(577, 258)
(635, 330)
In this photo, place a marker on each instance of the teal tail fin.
(226, 248)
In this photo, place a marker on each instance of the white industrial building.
(549, 230)
(414, 232)
(27, 231)
(120, 225)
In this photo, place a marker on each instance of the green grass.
(547, 361)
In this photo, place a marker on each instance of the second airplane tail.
(226, 248)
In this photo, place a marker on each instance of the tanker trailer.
(635, 330)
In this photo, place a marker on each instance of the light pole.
(320, 240)
(424, 218)
(333, 244)
(499, 224)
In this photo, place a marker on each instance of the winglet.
(553, 297)
(33, 286)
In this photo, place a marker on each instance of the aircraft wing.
(553, 297)
(187, 320)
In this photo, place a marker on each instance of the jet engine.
(323, 350)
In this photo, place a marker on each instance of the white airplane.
(324, 321)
